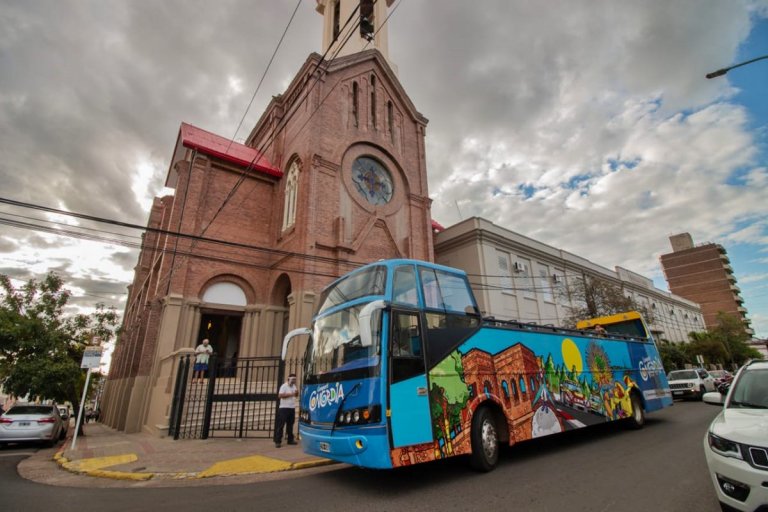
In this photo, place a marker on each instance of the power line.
(269, 64)
(275, 252)
(69, 225)
(134, 245)
(279, 126)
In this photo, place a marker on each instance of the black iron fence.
(235, 397)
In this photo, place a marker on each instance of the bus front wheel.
(485, 441)
(637, 420)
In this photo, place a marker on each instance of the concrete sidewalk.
(107, 453)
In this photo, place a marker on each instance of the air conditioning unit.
(519, 267)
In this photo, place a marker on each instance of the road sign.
(91, 358)
(700, 359)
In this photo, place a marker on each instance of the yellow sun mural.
(572, 356)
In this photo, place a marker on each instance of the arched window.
(391, 120)
(373, 101)
(336, 18)
(505, 389)
(514, 389)
(225, 293)
(291, 192)
(356, 102)
(533, 384)
(522, 385)
(487, 389)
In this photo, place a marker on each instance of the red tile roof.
(211, 144)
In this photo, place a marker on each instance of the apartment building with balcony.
(703, 274)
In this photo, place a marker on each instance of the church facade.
(332, 176)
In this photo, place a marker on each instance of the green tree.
(592, 297)
(40, 345)
(725, 343)
(674, 356)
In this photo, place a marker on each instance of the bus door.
(408, 391)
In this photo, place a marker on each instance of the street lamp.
(721, 72)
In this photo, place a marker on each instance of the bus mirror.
(366, 329)
(290, 336)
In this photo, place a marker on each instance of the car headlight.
(724, 447)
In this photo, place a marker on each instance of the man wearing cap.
(286, 412)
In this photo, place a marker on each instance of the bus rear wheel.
(485, 441)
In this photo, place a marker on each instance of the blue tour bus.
(401, 368)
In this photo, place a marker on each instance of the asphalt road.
(659, 468)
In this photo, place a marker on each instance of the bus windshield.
(337, 345)
(370, 281)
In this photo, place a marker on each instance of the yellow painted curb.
(95, 467)
(312, 463)
(252, 464)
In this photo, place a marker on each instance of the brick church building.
(332, 176)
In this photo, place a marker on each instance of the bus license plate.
(324, 447)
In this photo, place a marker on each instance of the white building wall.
(517, 278)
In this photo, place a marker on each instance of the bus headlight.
(359, 416)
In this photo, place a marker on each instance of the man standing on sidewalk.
(286, 412)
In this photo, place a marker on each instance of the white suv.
(690, 383)
(736, 445)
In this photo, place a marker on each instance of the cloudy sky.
(587, 125)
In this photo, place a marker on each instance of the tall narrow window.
(355, 103)
(373, 101)
(291, 192)
(336, 16)
(391, 121)
(505, 276)
(366, 19)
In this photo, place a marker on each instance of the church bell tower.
(354, 25)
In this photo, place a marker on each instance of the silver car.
(32, 422)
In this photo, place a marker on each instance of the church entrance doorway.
(223, 330)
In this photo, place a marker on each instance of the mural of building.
(704, 274)
(332, 176)
(510, 375)
(517, 278)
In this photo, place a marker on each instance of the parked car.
(690, 383)
(736, 444)
(32, 422)
(721, 376)
(572, 395)
(65, 416)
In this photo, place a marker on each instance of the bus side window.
(447, 292)
(404, 286)
(406, 346)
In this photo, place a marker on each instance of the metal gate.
(233, 398)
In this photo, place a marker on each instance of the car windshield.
(29, 409)
(682, 375)
(337, 345)
(750, 390)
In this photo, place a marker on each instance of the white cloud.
(586, 125)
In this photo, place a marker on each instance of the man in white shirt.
(286, 412)
(202, 353)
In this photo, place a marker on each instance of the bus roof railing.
(532, 326)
